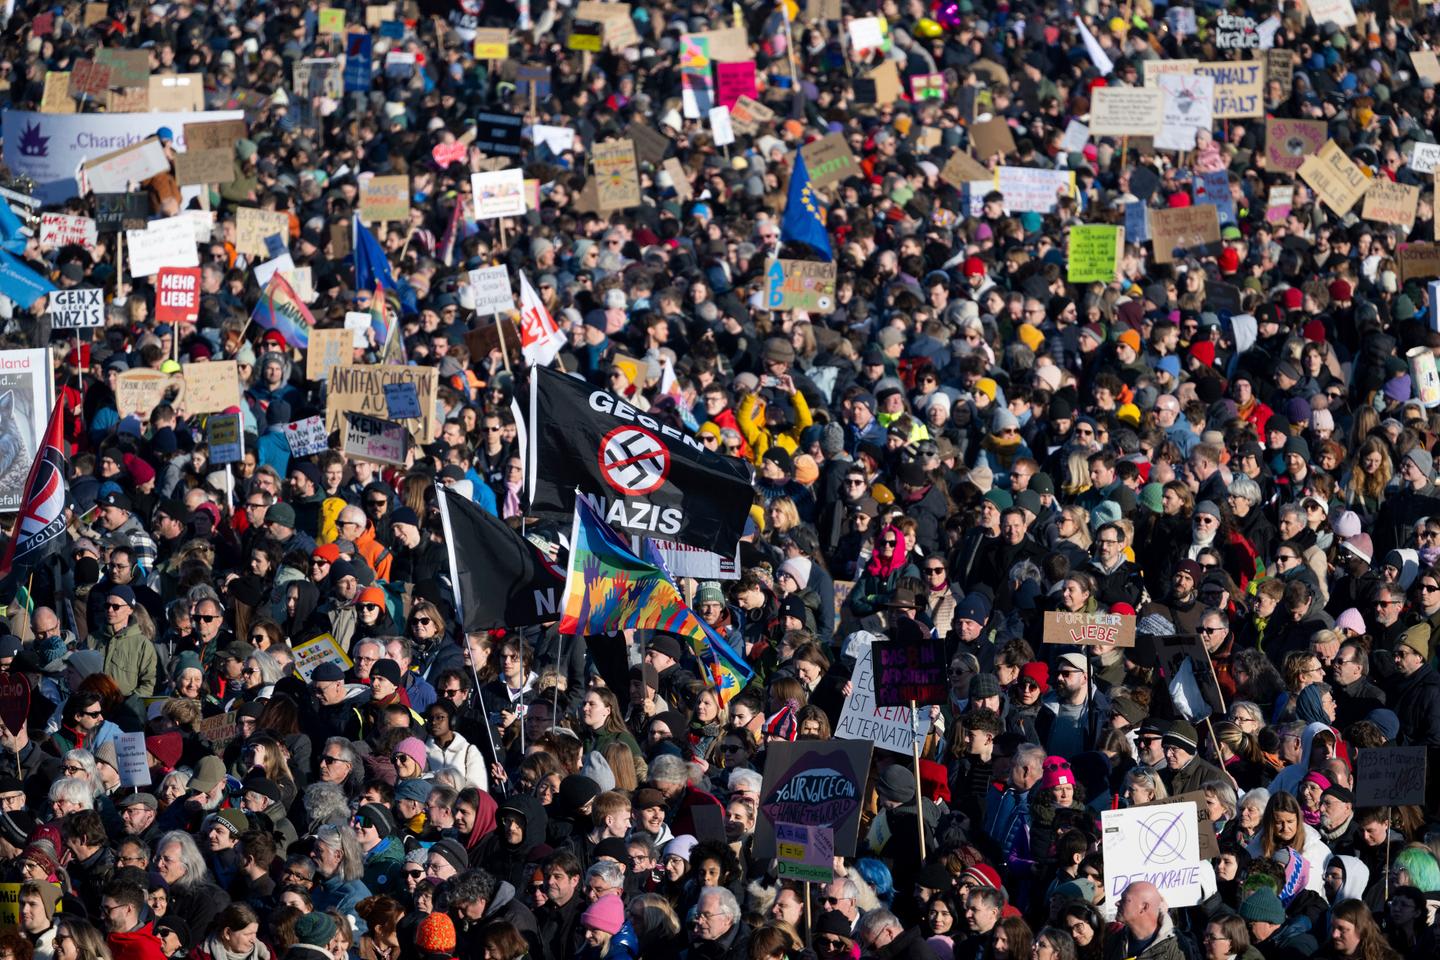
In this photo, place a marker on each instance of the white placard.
(79, 308)
(1189, 106)
(163, 243)
(281, 264)
(1077, 135)
(558, 139)
(498, 193)
(1159, 844)
(59, 229)
(720, 126)
(1424, 157)
(886, 727)
(307, 436)
(130, 754)
(357, 323)
(490, 286)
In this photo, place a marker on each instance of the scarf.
(512, 501)
(882, 568)
(217, 950)
(484, 819)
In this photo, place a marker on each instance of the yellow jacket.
(751, 418)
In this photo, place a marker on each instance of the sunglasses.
(422, 621)
(207, 617)
(369, 606)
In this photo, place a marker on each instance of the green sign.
(804, 872)
(1095, 253)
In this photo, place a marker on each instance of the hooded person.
(518, 839)
(1352, 880)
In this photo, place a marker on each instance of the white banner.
(1159, 844)
(49, 147)
(491, 288)
(163, 243)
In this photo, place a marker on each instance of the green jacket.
(385, 866)
(130, 660)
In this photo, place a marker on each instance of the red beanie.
(1294, 298)
(1229, 261)
(1204, 351)
(1039, 672)
(1178, 199)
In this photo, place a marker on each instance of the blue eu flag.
(804, 220)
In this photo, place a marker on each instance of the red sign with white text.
(178, 294)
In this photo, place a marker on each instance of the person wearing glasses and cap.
(130, 658)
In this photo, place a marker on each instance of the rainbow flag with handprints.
(281, 309)
(609, 589)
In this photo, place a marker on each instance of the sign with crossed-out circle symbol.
(633, 461)
(1162, 837)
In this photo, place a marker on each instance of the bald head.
(1141, 907)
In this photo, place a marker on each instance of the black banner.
(911, 667)
(498, 133)
(500, 579)
(645, 477)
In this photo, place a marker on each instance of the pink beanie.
(606, 914)
(1057, 772)
(413, 748)
(1351, 620)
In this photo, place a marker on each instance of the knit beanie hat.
(606, 914)
(316, 929)
(436, 934)
(1057, 772)
(1263, 905)
(783, 724)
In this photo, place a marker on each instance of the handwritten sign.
(1084, 629)
(204, 166)
(733, 81)
(1389, 202)
(385, 198)
(218, 730)
(361, 389)
(1239, 87)
(253, 226)
(1094, 253)
(1390, 776)
(1030, 189)
(800, 285)
(307, 436)
(223, 436)
(1158, 844)
(1189, 102)
(498, 193)
(79, 308)
(134, 765)
(121, 171)
(803, 853)
(809, 784)
(490, 286)
(1205, 827)
(910, 669)
(1289, 142)
(329, 348)
(211, 386)
(829, 160)
(371, 439)
(888, 728)
(323, 649)
(615, 175)
(139, 391)
(1236, 33)
(991, 137)
(163, 243)
(1126, 111)
(402, 401)
(1186, 229)
(1335, 178)
(60, 229)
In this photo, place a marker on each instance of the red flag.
(40, 527)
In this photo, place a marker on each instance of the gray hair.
(1025, 570)
(1258, 798)
(326, 803)
(86, 759)
(1245, 488)
(748, 781)
(669, 769)
(341, 837)
(607, 871)
(181, 779)
(728, 904)
(473, 886)
(202, 591)
(1291, 509)
(193, 862)
(876, 922)
(269, 667)
(74, 790)
(346, 750)
(1029, 755)
(1222, 792)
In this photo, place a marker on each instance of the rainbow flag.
(609, 589)
(281, 309)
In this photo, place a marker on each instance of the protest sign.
(1126, 111)
(1222, 297)
(1424, 157)
(650, 145)
(533, 80)
(1417, 261)
(369, 438)
(1426, 64)
(332, 20)
(1390, 776)
(1083, 629)
(1189, 100)
(1158, 844)
(1236, 32)
(224, 437)
(499, 133)
(323, 649)
(1213, 189)
(1185, 668)
(498, 193)
(123, 170)
(1205, 827)
(14, 700)
(402, 402)
(990, 137)
(218, 730)
(163, 243)
(211, 386)
(1186, 229)
(1075, 138)
(329, 347)
(720, 130)
(79, 308)
(1033, 190)
(361, 389)
(60, 229)
(492, 43)
(1155, 69)
(733, 81)
(615, 175)
(385, 198)
(828, 160)
(586, 36)
(1094, 253)
(679, 178)
(214, 135)
(747, 114)
(886, 727)
(731, 44)
(927, 86)
(56, 96)
(140, 391)
(1389, 202)
(490, 286)
(307, 436)
(1335, 178)
(253, 225)
(962, 168)
(27, 376)
(1339, 12)
(882, 85)
(134, 767)
(1289, 142)
(487, 339)
(911, 668)
(813, 783)
(128, 68)
(177, 294)
(806, 854)
(89, 79)
(204, 166)
(1239, 87)
(1280, 67)
(1278, 203)
(1137, 221)
(127, 100)
(177, 92)
(800, 285)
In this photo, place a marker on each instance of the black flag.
(645, 477)
(500, 579)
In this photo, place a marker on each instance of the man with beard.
(1183, 600)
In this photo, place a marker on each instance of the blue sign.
(357, 63)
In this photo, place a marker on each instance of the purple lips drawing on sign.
(814, 793)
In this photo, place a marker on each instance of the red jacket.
(138, 944)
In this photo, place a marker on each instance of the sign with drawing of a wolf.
(26, 389)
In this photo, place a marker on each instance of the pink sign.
(733, 81)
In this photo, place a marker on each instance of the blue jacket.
(625, 945)
(342, 895)
(274, 450)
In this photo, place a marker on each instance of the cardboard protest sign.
(1084, 629)
(323, 649)
(1031, 189)
(127, 100)
(487, 339)
(163, 243)
(650, 145)
(962, 168)
(498, 193)
(329, 347)
(492, 43)
(490, 286)
(747, 114)
(1205, 827)
(888, 728)
(1389, 202)
(140, 391)
(733, 81)
(813, 783)
(533, 80)
(1335, 178)
(1390, 776)
(60, 229)
(79, 308)
(1239, 87)
(177, 294)
(1186, 229)
(204, 166)
(385, 198)
(1426, 64)
(990, 137)
(680, 178)
(361, 389)
(307, 436)
(1289, 142)
(616, 180)
(253, 225)
(89, 79)
(1126, 111)
(177, 93)
(128, 68)
(1417, 261)
(1280, 67)
(1159, 844)
(911, 668)
(829, 160)
(369, 438)
(96, 13)
(123, 170)
(800, 285)
(1094, 253)
(218, 730)
(211, 386)
(216, 135)
(56, 97)
(1155, 69)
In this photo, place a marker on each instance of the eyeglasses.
(422, 621)
(889, 541)
(370, 606)
(1211, 630)
(255, 506)
(328, 759)
(117, 606)
(72, 768)
(935, 571)
(319, 562)
(415, 874)
(93, 713)
(207, 617)
(452, 692)
(401, 757)
(377, 503)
